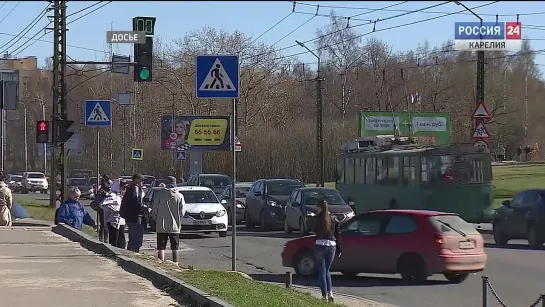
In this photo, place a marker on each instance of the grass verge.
(39, 211)
(238, 289)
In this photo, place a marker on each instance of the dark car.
(523, 217)
(302, 206)
(148, 181)
(241, 190)
(84, 185)
(266, 200)
(147, 220)
(216, 182)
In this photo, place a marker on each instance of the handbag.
(5, 216)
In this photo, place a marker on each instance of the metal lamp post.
(319, 120)
(42, 102)
(173, 95)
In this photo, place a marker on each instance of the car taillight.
(439, 239)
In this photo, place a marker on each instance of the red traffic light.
(42, 126)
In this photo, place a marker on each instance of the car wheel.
(287, 229)
(223, 234)
(412, 268)
(534, 237)
(499, 236)
(263, 222)
(302, 227)
(247, 220)
(305, 264)
(456, 277)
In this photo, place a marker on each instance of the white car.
(203, 211)
(35, 182)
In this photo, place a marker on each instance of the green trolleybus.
(383, 172)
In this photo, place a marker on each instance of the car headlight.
(221, 213)
(273, 203)
(310, 213)
(350, 214)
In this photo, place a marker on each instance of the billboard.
(195, 132)
(427, 127)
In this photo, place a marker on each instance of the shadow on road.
(346, 281)
(515, 246)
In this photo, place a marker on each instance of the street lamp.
(319, 120)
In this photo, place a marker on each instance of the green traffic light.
(144, 73)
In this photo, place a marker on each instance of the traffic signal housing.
(143, 58)
(63, 135)
(42, 131)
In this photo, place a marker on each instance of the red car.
(413, 243)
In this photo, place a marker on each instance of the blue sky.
(174, 19)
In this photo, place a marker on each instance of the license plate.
(205, 222)
(467, 245)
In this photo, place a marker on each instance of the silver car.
(241, 189)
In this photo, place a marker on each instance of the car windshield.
(36, 176)
(215, 182)
(148, 179)
(81, 173)
(285, 187)
(199, 197)
(332, 197)
(452, 224)
(157, 182)
(17, 179)
(242, 191)
(79, 182)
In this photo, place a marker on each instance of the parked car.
(216, 182)
(302, 206)
(35, 182)
(266, 200)
(148, 180)
(147, 219)
(413, 243)
(84, 185)
(523, 217)
(14, 182)
(241, 190)
(204, 212)
(80, 173)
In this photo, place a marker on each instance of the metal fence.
(487, 288)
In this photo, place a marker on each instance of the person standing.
(519, 153)
(328, 246)
(168, 211)
(72, 213)
(104, 188)
(131, 211)
(6, 202)
(113, 221)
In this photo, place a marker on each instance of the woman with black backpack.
(328, 247)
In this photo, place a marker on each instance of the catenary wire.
(24, 31)
(272, 27)
(84, 9)
(88, 13)
(4, 4)
(11, 11)
(384, 29)
(422, 12)
(379, 9)
(292, 31)
(348, 27)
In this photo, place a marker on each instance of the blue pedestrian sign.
(217, 76)
(98, 113)
(137, 154)
(180, 155)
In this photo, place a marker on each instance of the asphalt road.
(516, 272)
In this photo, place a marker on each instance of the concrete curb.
(159, 278)
(31, 223)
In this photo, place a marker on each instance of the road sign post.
(218, 76)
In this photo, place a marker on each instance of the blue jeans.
(324, 259)
(136, 236)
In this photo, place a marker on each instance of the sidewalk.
(40, 268)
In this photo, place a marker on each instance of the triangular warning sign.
(98, 115)
(217, 79)
(481, 132)
(481, 112)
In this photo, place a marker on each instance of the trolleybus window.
(409, 170)
(370, 170)
(349, 171)
(360, 171)
(340, 169)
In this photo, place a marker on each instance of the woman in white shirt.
(112, 219)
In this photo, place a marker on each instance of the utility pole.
(319, 120)
(58, 166)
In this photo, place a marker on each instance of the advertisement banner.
(202, 132)
(427, 127)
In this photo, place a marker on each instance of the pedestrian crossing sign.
(217, 76)
(98, 113)
(137, 154)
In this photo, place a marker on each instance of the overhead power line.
(84, 9)
(9, 13)
(88, 13)
(421, 12)
(5, 2)
(384, 29)
(273, 26)
(379, 9)
(25, 30)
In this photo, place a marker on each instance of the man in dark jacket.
(105, 184)
(131, 211)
